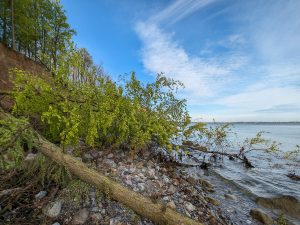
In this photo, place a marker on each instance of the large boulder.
(261, 216)
(288, 205)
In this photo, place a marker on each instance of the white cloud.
(202, 77)
(270, 60)
(263, 99)
(178, 10)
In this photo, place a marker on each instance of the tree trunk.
(13, 26)
(142, 205)
(4, 25)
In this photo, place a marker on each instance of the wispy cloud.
(260, 73)
(178, 10)
(201, 76)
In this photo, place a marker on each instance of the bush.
(101, 112)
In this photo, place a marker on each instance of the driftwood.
(155, 211)
(231, 156)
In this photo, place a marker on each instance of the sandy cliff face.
(10, 59)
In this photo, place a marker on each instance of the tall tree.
(13, 25)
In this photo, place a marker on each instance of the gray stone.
(190, 207)
(205, 183)
(166, 179)
(110, 156)
(141, 187)
(151, 173)
(113, 221)
(172, 189)
(128, 182)
(96, 217)
(56, 223)
(261, 216)
(171, 205)
(191, 180)
(30, 157)
(95, 209)
(80, 217)
(131, 169)
(53, 209)
(94, 153)
(79, 159)
(231, 197)
(212, 201)
(166, 198)
(69, 149)
(110, 162)
(88, 156)
(41, 195)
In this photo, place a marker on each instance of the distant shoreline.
(258, 123)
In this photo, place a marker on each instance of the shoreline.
(189, 190)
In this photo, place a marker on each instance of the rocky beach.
(169, 182)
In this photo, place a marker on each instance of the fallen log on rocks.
(155, 211)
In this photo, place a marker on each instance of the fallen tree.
(155, 211)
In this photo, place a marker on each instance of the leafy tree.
(100, 111)
(37, 28)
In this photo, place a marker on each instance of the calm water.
(268, 178)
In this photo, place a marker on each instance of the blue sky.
(239, 60)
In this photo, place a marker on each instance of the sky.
(239, 60)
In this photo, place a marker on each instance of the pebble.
(213, 221)
(41, 195)
(110, 156)
(212, 200)
(128, 182)
(231, 197)
(172, 189)
(141, 187)
(113, 221)
(95, 209)
(151, 173)
(165, 179)
(88, 156)
(191, 180)
(206, 183)
(53, 209)
(96, 217)
(171, 205)
(56, 223)
(110, 162)
(166, 198)
(94, 153)
(78, 158)
(190, 207)
(80, 217)
(30, 157)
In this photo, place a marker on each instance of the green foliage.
(105, 114)
(213, 137)
(41, 29)
(47, 171)
(76, 191)
(259, 143)
(14, 133)
(293, 154)
(16, 136)
(281, 220)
